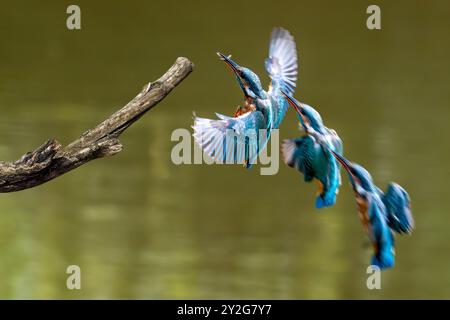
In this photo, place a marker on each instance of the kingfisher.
(241, 137)
(310, 157)
(381, 213)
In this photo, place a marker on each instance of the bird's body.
(311, 158)
(240, 139)
(380, 213)
(372, 213)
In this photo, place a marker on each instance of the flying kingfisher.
(379, 212)
(310, 157)
(240, 138)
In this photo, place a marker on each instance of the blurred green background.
(157, 230)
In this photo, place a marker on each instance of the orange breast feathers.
(249, 106)
(363, 212)
(319, 187)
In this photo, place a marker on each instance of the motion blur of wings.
(241, 138)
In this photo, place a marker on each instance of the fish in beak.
(294, 104)
(233, 65)
(237, 71)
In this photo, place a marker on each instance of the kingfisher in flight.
(310, 157)
(241, 137)
(380, 213)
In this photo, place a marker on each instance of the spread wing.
(231, 140)
(281, 65)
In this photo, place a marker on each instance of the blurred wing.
(281, 65)
(301, 154)
(397, 203)
(230, 140)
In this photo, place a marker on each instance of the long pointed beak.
(299, 108)
(293, 103)
(347, 166)
(235, 68)
(344, 162)
(233, 65)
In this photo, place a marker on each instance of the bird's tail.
(326, 199)
(383, 239)
(384, 259)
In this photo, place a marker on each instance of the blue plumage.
(310, 157)
(380, 213)
(240, 139)
(318, 155)
(379, 233)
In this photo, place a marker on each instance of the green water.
(142, 227)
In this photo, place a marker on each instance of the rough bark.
(51, 159)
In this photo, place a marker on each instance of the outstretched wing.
(397, 203)
(281, 65)
(231, 140)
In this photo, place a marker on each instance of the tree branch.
(52, 159)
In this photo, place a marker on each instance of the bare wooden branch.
(52, 159)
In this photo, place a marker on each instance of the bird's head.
(309, 117)
(247, 79)
(360, 178)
